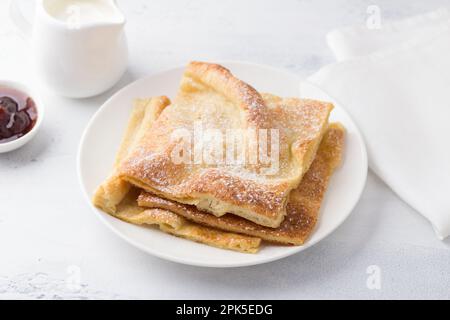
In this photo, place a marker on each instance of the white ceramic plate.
(104, 132)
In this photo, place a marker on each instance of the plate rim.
(172, 258)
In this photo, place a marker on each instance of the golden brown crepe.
(302, 210)
(212, 96)
(118, 198)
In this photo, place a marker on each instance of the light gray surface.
(50, 241)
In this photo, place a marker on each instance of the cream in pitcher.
(79, 46)
(82, 11)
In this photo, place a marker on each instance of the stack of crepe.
(234, 206)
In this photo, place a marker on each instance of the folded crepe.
(302, 210)
(118, 197)
(211, 97)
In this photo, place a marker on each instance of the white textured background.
(49, 239)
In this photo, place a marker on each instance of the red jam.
(18, 114)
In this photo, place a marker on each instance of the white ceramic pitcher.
(79, 46)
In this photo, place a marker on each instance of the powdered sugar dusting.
(300, 122)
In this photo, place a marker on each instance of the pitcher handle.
(22, 24)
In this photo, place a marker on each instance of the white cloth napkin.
(395, 82)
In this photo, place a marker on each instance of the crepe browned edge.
(118, 197)
(303, 207)
(210, 89)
